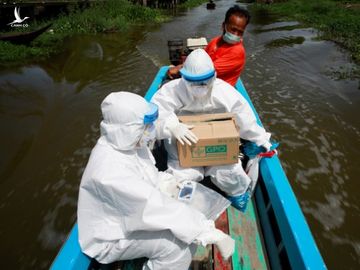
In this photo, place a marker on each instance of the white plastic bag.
(252, 170)
(204, 199)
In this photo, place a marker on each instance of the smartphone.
(186, 191)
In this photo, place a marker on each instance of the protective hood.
(198, 66)
(198, 74)
(123, 120)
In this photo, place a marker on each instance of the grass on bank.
(192, 3)
(337, 20)
(107, 16)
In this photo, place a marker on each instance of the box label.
(218, 142)
(209, 151)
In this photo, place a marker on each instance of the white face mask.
(200, 89)
(149, 137)
(231, 38)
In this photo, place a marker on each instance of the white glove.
(169, 185)
(226, 246)
(224, 242)
(183, 134)
(267, 146)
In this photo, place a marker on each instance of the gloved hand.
(169, 185)
(226, 246)
(267, 146)
(183, 134)
(224, 242)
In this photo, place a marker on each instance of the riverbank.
(103, 17)
(338, 21)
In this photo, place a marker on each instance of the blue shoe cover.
(240, 202)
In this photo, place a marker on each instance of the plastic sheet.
(204, 199)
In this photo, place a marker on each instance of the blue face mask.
(231, 38)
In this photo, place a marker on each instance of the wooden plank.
(244, 229)
(222, 223)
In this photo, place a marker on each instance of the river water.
(50, 114)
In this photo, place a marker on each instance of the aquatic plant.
(337, 20)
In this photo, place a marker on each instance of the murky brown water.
(49, 117)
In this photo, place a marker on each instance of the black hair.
(239, 11)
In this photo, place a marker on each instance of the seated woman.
(123, 210)
(200, 92)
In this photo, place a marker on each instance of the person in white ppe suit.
(200, 92)
(123, 210)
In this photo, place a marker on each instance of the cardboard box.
(218, 140)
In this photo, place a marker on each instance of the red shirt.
(229, 59)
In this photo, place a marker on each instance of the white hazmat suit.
(200, 92)
(122, 214)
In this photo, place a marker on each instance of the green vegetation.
(14, 53)
(192, 3)
(108, 16)
(338, 21)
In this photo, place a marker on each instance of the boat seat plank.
(245, 231)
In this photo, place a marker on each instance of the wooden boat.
(24, 37)
(271, 234)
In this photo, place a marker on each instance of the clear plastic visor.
(205, 83)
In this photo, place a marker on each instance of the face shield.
(148, 137)
(198, 85)
(125, 118)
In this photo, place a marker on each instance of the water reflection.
(312, 115)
